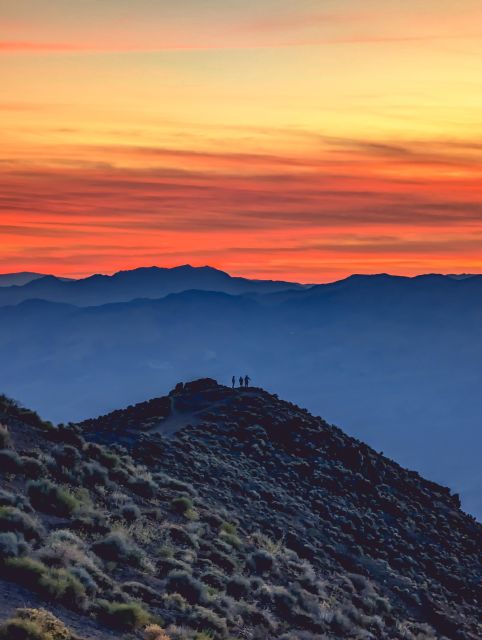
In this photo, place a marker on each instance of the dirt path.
(177, 420)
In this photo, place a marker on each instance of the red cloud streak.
(310, 223)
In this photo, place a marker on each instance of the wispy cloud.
(37, 47)
(21, 46)
(200, 200)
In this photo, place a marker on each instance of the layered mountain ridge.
(395, 360)
(145, 282)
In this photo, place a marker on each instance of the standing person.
(247, 380)
(241, 381)
(233, 381)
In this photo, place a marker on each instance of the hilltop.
(223, 513)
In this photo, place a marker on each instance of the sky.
(301, 140)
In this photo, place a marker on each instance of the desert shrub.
(25, 571)
(67, 434)
(130, 512)
(340, 623)
(64, 549)
(93, 450)
(102, 455)
(172, 483)
(144, 487)
(10, 461)
(140, 591)
(66, 455)
(12, 545)
(31, 467)
(123, 616)
(214, 520)
(5, 440)
(87, 581)
(358, 581)
(228, 534)
(232, 540)
(278, 596)
(206, 620)
(64, 587)
(18, 629)
(190, 588)
(261, 561)
(237, 587)
(229, 528)
(307, 578)
(214, 579)
(167, 565)
(58, 584)
(67, 536)
(109, 460)
(260, 618)
(119, 475)
(48, 497)
(50, 463)
(115, 547)
(32, 418)
(179, 536)
(12, 519)
(94, 474)
(174, 603)
(155, 632)
(8, 499)
(36, 621)
(182, 505)
(382, 606)
(222, 560)
(90, 521)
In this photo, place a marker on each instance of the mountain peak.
(145, 282)
(18, 279)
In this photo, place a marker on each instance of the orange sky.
(267, 138)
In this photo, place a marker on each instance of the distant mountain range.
(18, 279)
(396, 360)
(149, 282)
(24, 277)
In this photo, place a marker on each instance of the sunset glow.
(298, 140)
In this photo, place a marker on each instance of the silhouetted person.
(233, 380)
(241, 381)
(247, 380)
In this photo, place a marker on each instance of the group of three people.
(243, 382)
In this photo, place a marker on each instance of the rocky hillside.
(220, 513)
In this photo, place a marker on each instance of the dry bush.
(155, 632)
(35, 624)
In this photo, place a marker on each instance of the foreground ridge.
(229, 513)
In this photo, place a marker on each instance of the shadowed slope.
(329, 498)
(258, 521)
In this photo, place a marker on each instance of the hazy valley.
(396, 361)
